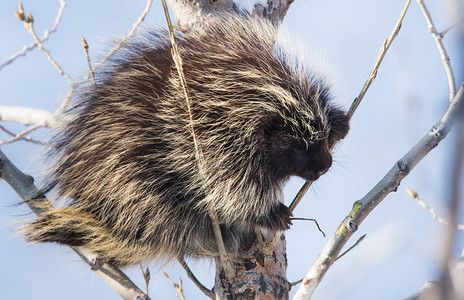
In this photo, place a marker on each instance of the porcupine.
(125, 156)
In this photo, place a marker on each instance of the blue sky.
(403, 243)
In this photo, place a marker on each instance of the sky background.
(402, 248)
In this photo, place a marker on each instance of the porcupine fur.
(125, 156)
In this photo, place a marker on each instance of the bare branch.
(192, 277)
(29, 24)
(389, 183)
(178, 287)
(86, 50)
(383, 50)
(351, 248)
(444, 32)
(28, 116)
(43, 39)
(131, 33)
(146, 277)
(307, 219)
(441, 48)
(24, 186)
(428, 287)
(432, 211)
(20, 136)
(196, 13)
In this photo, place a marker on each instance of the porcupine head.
(126, 159)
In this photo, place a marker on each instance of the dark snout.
(313, 163)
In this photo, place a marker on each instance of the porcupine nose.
(324, 164)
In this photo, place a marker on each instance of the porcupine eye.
(339, 125)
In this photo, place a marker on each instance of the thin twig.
(444, 32)
(441, 48)
(146, 277)
(29, 24)
(131, 33)
(351, 248)
(25, 138)
(192, 277)
(21, 136)
(383, 50)
(432, 211)
(314, 220)
(43, 39)
(178, 287)
(86, 50)
(226, 263)
(389, 183)
(292, 284)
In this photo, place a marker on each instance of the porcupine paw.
(277, 219)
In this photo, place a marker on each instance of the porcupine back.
(125, 156)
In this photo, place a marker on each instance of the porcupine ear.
(339, 124)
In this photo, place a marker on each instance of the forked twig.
(192, 277)
(146, 277)
(178, 287)
(29, 24)
(441, 48)
(21, 136)
(43, 39)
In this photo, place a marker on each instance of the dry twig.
(131, 33)
(389, 183)
(21, 136)
(383, 50)
(432, 211)
(178, 287)
(43, 39)
(86, 50)
(192, 277)
(29, 24)
(441, 48)
(351, 248)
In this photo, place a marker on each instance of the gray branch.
(24, 186)
(389, 183)
(194, 13)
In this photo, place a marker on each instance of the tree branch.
(196, 13)
(441, 48)
(372, 75)
(28, 116)
(24, 186)
(389, 183)
(43, 39)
